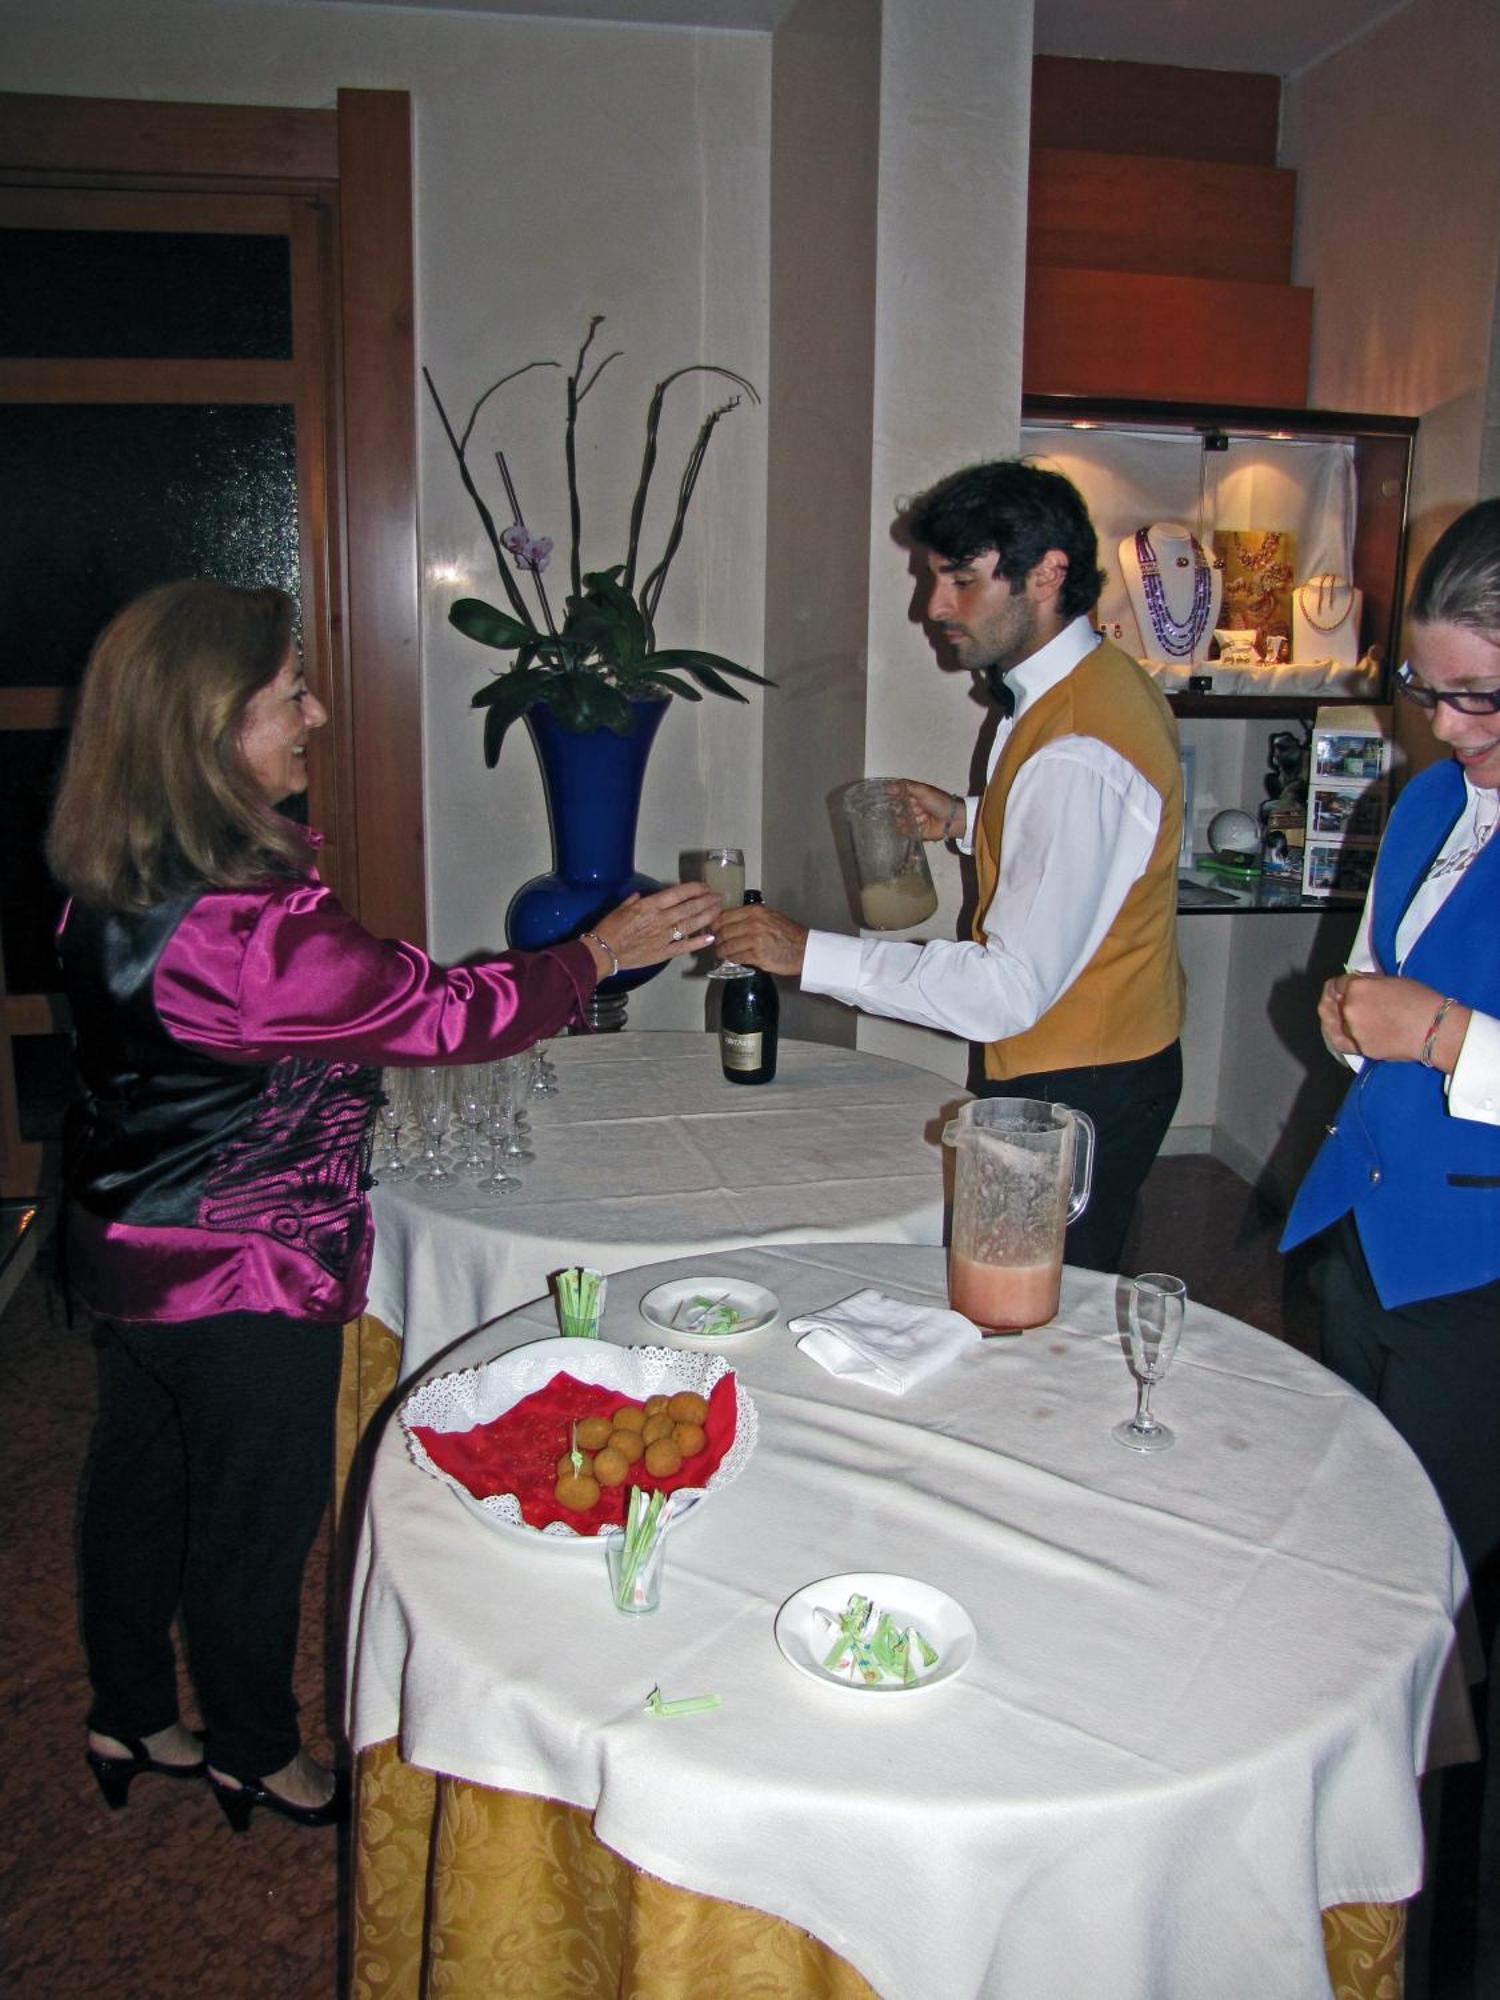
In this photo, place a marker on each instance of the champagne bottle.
(748, 1023)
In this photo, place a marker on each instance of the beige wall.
(561, 169)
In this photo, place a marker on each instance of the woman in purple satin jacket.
(231, 1024)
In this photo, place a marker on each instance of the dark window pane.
(29, 763)
(98, 503)
(142, 296)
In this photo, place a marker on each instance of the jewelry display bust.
(1325, 621)
(1175, 589)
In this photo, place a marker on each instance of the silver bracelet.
(609, 950)
(955, 805)
(1430, 1045)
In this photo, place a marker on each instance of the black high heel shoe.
(239, 1801)
(115, 1773)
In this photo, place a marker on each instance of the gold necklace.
(1328, 588)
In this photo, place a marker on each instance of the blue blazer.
(1423, 1187)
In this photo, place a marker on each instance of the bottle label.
(742, 1051)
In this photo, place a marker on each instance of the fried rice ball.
(630, 1444)
(612, 1467)
(657, 1427)
(663, 1458)
(687, 1408)
(565, 1464)
(629, 1417)
(655, 1405)
(689, 1438)
(592, 1432)
(577, 1491)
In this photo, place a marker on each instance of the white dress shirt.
(1080, 825)
(1474, 1087)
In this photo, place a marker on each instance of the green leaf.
(651, 677)
(508, 699)
(692, 659)
(582, 702)
(508, 689)
(490, 626)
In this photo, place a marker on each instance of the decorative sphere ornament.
(1234, 836)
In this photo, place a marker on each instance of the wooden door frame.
(362, 153)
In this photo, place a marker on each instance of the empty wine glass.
(544, 1074)
(435, 1115)
(498, 1112)
(395, 1112)
(472, 1087)
(1155, 1308)
(724, 872)
(512, 1082)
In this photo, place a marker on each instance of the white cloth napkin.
(883, 1343)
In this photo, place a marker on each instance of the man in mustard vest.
(1072, 985)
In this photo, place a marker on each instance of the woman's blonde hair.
(156, 798)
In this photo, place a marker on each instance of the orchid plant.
(589, 665)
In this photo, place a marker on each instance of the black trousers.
(209, 1470)
(1131, 1104)
(1433, 1368)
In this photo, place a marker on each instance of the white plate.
(471, 1396)
(758, 1306)
(806, 1639)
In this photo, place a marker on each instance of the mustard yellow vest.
(1128, 1000)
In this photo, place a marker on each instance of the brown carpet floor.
(161, 1901)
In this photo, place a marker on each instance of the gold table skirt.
(462, 1893)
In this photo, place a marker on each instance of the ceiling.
(1280, 36)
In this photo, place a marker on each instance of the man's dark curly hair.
(1020, 512)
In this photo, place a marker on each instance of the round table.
(1203, 1686)
(647, 1151)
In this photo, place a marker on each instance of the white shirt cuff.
(1474, 1086)
(830, 964)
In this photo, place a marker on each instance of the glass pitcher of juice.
(1022, 1171)
(895, 883)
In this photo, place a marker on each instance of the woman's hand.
(1388, 1020)
(936, 814)
(645, 930)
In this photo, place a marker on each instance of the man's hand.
(754, 935)
(936, 814)
(1387, 1020)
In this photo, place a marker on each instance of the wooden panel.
(35, 707)
(147, 381)
(380, 456)
(35, 1014)
(1382, 468)
(95, 208)
(1129, 107)
(1190, 219)
(123, 136)
(1114, 333)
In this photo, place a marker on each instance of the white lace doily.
(473, 1396)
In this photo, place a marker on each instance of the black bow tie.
(1001, 693)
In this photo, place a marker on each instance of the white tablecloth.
(648, 1152)
(1204, 1681)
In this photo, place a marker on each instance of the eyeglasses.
(1468, 701)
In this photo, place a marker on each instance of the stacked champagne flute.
(471, 1119)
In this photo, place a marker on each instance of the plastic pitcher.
(895, 883)
(1022, 1172)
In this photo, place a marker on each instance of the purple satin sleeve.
(250, 976)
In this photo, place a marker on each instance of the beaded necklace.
(1178, 641)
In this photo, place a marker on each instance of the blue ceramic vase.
(593, 787)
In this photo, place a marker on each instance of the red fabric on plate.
(518, 1452)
